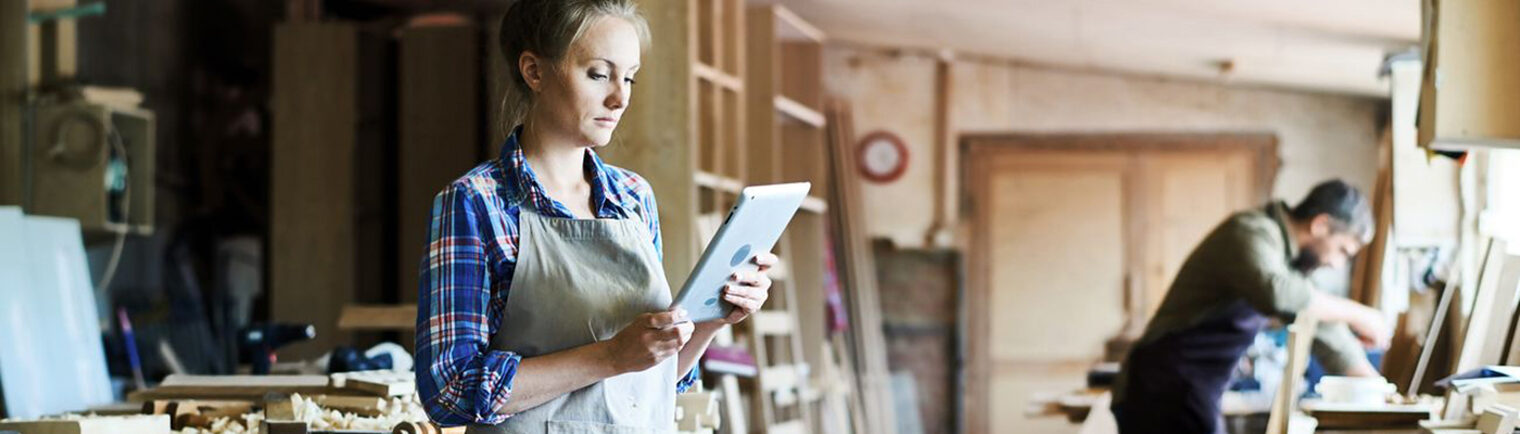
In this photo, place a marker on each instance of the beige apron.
(577, 282)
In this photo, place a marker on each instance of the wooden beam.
(313, 257)
(439, 129)
(13, 71)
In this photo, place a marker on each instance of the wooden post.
(13, 68)
(313, 257)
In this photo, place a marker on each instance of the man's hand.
(1371, 329)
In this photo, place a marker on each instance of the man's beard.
(1307, 261)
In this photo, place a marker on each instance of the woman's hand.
(749, 290)
(648, 340)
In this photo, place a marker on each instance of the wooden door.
(1073, 241)
(1050, 213)
(1187, 194)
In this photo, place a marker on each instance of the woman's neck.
(558, 164)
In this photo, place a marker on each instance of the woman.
(542, 305)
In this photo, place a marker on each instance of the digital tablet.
(751, 228)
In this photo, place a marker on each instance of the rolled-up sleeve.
(459, 379)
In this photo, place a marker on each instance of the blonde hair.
(547, 28)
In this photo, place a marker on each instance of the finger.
(766, 260)
(748, 305)
(663, 319)
(685, 330)
(759, 294)
(748, 279)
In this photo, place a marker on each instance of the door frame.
(978, 151)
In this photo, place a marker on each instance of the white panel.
(51, 358)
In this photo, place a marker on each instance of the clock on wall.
(882, 157)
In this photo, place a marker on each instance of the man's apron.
(1175, 383)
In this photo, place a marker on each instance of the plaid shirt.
(467, 272)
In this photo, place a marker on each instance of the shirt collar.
(524, 185)
(1278, 210)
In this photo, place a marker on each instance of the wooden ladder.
(780, 394)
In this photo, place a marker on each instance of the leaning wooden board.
(140, 424)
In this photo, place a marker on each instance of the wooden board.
(252, 387)
(139, 424)
(1285, 403)
(1478, 347)
(1369, 416)
(438, 111)
(380, 383)
(312, 246)
(858, 272)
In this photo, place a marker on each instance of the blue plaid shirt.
(467, 272)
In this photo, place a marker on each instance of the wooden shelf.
(724, 80)
(790, 27)
(718, 182)
(798, 111)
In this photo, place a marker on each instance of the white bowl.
(1354, 390)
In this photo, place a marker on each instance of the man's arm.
(1340, 352)
(1263, 278)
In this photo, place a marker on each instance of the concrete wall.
(1320, 135)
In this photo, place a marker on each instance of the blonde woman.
(543, 304)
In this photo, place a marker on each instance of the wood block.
(361, 405)
(379, 383)
(1497, 419)
(279, 408)
(284, 427)
(139, 424)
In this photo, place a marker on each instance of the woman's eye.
(597, 76)
(630, 80)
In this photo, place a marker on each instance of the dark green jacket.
(1249, 257)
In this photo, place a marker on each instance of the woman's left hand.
(747, 291)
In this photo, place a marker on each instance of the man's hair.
(1347, 207)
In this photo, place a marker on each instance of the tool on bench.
(257, 343)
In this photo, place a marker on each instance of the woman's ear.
(532, 69)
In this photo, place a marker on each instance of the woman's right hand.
(648, 340)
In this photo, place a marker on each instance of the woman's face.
(585, 95)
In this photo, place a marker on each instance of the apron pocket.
(575, 427)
